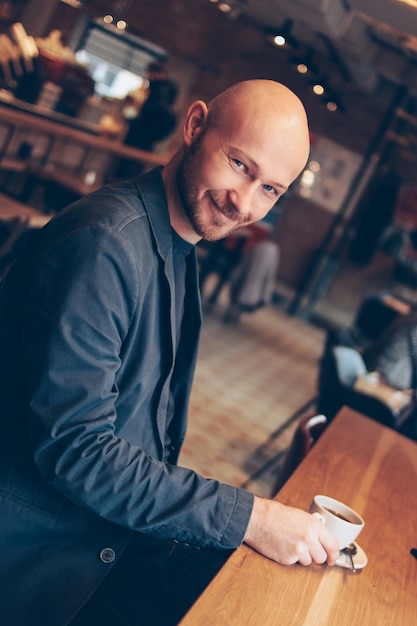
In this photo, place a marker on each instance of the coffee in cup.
(342, 521)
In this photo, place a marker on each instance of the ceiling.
(365, 52)
(361, 50)
(367, 41)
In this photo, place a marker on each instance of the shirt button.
(107, 555)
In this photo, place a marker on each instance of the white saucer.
(360, 559)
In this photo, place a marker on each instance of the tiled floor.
(250, 379)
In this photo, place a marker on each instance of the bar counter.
(9, 101)
(26, 117)
(50, 146)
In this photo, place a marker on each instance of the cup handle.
(319, 517)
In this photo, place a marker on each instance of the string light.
(73, 3)
(318, 89)
(233, 8)
(279, 40)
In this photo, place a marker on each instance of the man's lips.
(229, 214)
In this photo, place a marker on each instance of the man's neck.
(178, 218)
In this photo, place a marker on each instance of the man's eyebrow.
(280, 185)
(255, 165)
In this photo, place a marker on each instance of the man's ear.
(194, 121)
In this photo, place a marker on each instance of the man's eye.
(239, 164)
(269, 189)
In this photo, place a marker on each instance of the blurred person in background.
(156, 120)
(248, 261)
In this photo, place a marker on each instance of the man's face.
(226, 180)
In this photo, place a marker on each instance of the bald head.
(241, 152)
(258, 94)
(267, 107)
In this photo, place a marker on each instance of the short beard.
(185, 188)
(188, 195)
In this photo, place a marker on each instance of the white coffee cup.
(342, 521)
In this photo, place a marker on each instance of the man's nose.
(243, 198)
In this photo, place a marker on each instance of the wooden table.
(11, 208)
(371, 468)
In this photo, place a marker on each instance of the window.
(117, 61)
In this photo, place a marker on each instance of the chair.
(375, 314)
(308, 430)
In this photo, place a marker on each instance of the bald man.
(99, 326)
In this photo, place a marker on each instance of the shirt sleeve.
(80, 309)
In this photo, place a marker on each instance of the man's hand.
(288, 535)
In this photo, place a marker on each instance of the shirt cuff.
(239, 519)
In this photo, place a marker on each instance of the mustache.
(228, 210)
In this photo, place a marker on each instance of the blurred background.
(354, 65)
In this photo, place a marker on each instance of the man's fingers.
(305, 559)
(318, 554)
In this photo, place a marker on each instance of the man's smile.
(229, 214)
